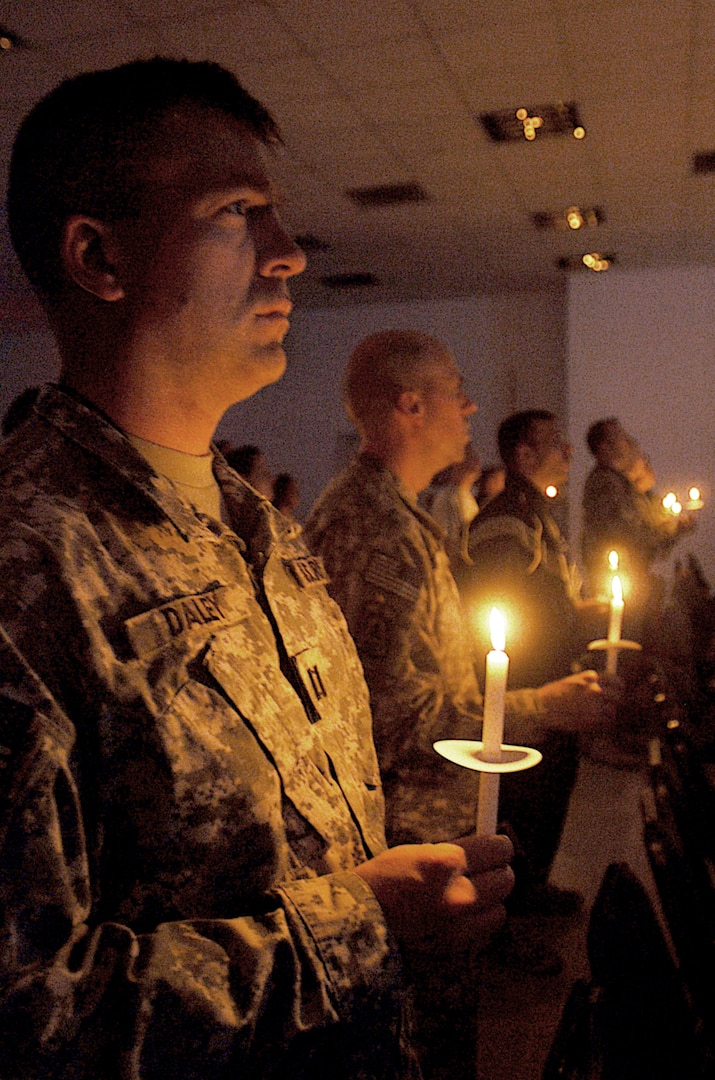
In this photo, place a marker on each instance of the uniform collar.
(383, 476)
(82, 423)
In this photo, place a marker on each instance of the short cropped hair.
(600, 432)
(382, 367)
(77, 150)
(518, 429)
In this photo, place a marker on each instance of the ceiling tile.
(248, 31)
(391, 91)
(338, 24)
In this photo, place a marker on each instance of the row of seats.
(648, 1011)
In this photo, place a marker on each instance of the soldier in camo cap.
(193, 872)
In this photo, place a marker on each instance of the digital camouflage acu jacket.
(188, 778)
(390, 574)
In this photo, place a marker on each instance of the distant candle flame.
(676, 508)
(551, 491)
(694, 494)
(497, 628)
(668, 500)
(613, 560)
(617, 589)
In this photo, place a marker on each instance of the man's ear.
(410, 403)
(87, 256)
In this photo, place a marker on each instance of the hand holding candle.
(497, 671)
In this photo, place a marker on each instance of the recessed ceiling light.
(10, 40)
(591, 260)
(573, 217)
(516, 125)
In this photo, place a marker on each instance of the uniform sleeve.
(257, 995)
(613, 510)
(507, 571)
(525, 716)
(501, 549)
(497, 571)
(401, 633)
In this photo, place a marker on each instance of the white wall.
(511, 348)
(642, 347)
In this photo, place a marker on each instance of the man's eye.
(239, 208)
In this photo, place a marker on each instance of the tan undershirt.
(191, 474)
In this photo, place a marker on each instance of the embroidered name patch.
(307, 570)
(154, 629)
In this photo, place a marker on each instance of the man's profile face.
(205, 260)
(447, 411)
(551, 454)
(622, 450)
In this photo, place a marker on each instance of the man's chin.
(272, 362)
(267, 366)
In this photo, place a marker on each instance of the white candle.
(615, 623)
(493, 725)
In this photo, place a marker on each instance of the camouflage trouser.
(445, 999)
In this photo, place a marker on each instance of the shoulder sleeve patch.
(381, 573)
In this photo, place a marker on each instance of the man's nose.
(278, 254)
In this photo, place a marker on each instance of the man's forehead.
(204, 148)
(441, 365)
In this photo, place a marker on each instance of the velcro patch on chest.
(307, 570)
(152, 630)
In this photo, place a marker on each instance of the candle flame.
(613, 560)
(694, 494)
(497, 628)
(551, 491)
(676, 508)
(617, 589)
(668, 500)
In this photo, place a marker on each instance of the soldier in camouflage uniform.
(519, 558)
(622, 512)
(390, 574)
(193, 872)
